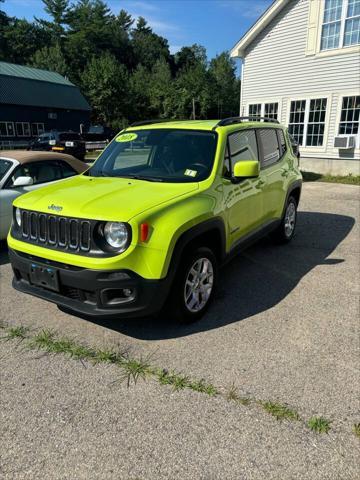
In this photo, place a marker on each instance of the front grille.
(53, 231)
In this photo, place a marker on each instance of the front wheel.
(285, 231)
(194, 286)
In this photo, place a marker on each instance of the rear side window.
(282, 142)
(67, 170)
(270, 147)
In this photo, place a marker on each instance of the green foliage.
(319, 424)
(50, 58)
(280, 411)
(106, 84)
(122, 66)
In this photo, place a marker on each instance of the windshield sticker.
(190, 173)
(126, 137)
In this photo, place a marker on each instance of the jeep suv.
(149, 224)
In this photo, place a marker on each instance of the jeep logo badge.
(56, 208)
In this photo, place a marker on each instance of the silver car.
(22, 171)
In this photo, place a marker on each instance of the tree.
(4, 21)
(225, 88)
(23, 39)
(106, 85)
(162, 92)
(148, 47)
(50, 58)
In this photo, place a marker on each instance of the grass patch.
(16, 332)
(132, 370)
(319, 424)
(279, 411)
(356, 429)
(232, 395)
(318, 177)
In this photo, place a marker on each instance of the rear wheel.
(194, 286)
(286, 230)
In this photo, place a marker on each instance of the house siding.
(276, 68)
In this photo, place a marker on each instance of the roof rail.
(254, 118)
(149, 122)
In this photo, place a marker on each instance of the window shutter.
(313, 24)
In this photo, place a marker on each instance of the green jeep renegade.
(149, 224)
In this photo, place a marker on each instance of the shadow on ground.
(4, 257)
(253, 282)
(256, 280)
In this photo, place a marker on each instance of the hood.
(98, 198)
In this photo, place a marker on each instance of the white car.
(22, 171)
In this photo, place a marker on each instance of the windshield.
(163, 155)
(4, 167)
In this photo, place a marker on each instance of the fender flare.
(292, 187)
(191, 234)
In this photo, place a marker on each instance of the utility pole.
(193, 109)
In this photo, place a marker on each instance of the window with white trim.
(297, 120)
(269, 110)
(341, 24)
(37, 129)
(307, 121)
(316, 122)
(350, 115)
(7, 129)
(255, 110)
(22, 129)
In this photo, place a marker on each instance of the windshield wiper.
(141, 177)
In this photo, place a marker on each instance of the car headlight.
(18, 216)
(116, 234)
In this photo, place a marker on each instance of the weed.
(280, 411)
(134, 369)
(356, 429)
(233, 396)
(202, 387)
(319, 424)
(16, 332)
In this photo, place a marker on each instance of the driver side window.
(242, 145)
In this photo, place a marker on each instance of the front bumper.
(92, 293)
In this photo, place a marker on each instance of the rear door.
(272, 153)
(243, 200)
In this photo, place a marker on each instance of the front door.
(243, 200)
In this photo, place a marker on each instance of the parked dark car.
(71, 143)
(98, 133)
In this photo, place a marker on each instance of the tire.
(286, 230)
(183, 305)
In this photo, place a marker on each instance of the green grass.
(356, 429)
(16, 332)
(319, 424)
(132, 370)
(318, 177)
(279, 411)
(232, 395)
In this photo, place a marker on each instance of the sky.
(215, 24)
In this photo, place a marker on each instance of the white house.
(301, 65)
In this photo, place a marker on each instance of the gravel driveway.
(284, 328)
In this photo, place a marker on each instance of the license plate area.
(44, 276)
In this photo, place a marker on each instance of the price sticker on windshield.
(190, 173)
(126, 137)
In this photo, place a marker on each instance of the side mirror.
(295, 149)
(23, 182)
(246, 169)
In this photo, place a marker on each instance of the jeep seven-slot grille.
(56, 232)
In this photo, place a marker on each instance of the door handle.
(285, 173)
(260, 184)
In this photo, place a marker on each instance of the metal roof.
(13, 70)
(21, 85)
